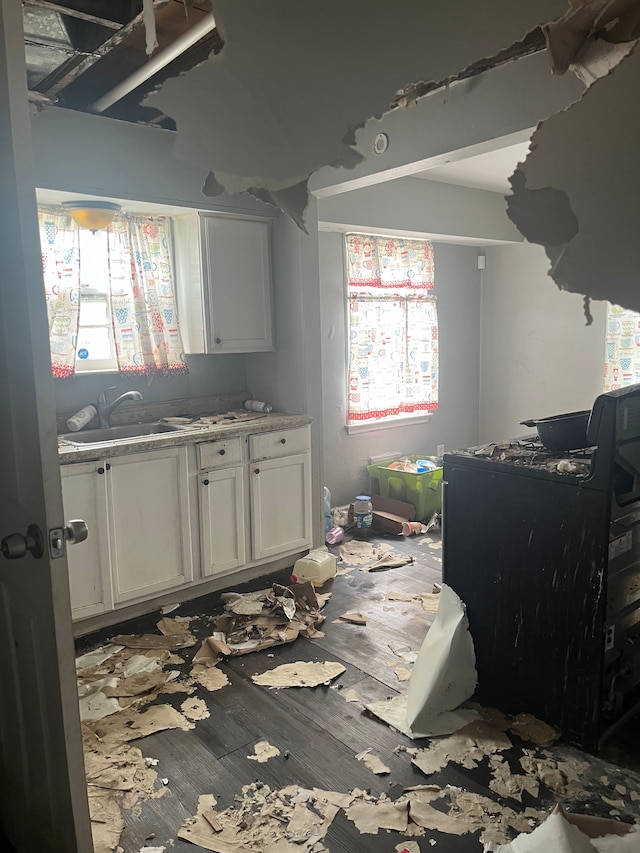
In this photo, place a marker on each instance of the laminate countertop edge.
(69, 453)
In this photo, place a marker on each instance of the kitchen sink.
(119, 433)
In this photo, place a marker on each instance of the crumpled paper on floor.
(443, 677)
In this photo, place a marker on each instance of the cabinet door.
(222, 528)
(280, 505)
(84, 496)
(149, 522)
(237, 283)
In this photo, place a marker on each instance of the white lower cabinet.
(84, 495)
(145, 535)
(280, 505)
(137, 509)
(149, 522)
(222, 525)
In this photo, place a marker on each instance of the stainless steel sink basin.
(119, 433)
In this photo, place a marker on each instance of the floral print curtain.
(622, 348)
(393, 328)
(143, 306)
(61, 270)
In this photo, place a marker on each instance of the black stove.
(544, 549)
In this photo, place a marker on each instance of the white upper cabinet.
(223, 278)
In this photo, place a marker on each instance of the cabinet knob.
(205, 482)
(108, 467)
(218, 340)
(283, 441)
(100, 470)
(256, 470)
(222, 452)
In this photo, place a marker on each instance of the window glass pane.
(96, 342)
(94, 313)
(94, 260)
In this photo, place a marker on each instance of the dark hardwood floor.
(317, 732)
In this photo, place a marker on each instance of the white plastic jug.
(318, 566)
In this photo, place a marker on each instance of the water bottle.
(328, 523)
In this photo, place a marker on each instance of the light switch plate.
(440, 450)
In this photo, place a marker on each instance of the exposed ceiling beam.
(69, 71)
(73, 13)
(184, 41)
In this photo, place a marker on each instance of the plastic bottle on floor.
(318, 567)
(328, 524)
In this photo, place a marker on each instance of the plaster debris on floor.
(302, 674)
(373, 762)
(263, 751)
(259, 620)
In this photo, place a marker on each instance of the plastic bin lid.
(363, 497)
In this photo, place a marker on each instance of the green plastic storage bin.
(423, 491)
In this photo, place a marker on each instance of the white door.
(84, 495)
(149, 522)
(280, 505)
(222, 527)
(237, 281)
(43, 797)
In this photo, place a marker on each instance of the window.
(622, 348)
(110, 296)
(393, 329)
(96, 344)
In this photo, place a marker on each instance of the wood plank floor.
(316, 730)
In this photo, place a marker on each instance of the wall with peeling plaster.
(504, 104)
(537, 356)
(455, 423)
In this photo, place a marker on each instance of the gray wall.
(208, 374)
(291, 377)
(538, 356)
(455, 424)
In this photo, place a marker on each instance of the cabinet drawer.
(216, 454)
(283, 442)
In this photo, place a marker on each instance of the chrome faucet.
(105, 409)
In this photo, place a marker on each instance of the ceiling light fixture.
(93, 215)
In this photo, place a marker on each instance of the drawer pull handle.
(256, 470)
(218, 340)
(283, 441)
(100, 470)
(205, 482)
(222, 452)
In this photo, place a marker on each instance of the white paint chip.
(302, 674)
(263, 751)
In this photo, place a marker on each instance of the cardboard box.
(389, 515)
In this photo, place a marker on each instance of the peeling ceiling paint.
(577, 192)
(295, 80)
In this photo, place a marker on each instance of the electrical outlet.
(440, 450)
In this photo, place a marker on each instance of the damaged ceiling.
(79, 50)
(295, 81)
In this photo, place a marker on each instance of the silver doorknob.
(76, 531)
